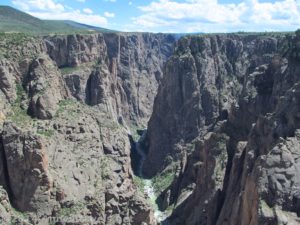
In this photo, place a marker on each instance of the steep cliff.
(126, 70)
(225, 122)
(222, 142)
(67, 107)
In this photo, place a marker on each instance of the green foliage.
(139, 183)
(15, 21)
(46, 133)
(68, 70)
(257, 34)
(104, 166)
(73, 210)
(66, 105)
(10, 44)
(14, 38)
(18, 216)
(19, 115)
(134, 132)
(20, 92)
(163, 180)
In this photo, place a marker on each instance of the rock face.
(222, 142)
(127, 70)
(227, 112)
(66, 107)
(203, 79)
(45, 88)
(27, 167)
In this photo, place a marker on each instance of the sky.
(176, 16)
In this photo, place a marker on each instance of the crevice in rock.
(137, 153)
(222, 193)
(236, 180)
(6, 179)
(135, 157)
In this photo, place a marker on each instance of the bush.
(139, 183)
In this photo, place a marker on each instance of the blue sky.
(170, 15)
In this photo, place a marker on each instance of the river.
(148, 185)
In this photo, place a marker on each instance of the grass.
(19, 115)
(15, 38)
(73, 210)
(46, 133)
(139, 183)
(68, 70)
(242, 33)
(15, 21)
(66, 105)
(10, 44)
(17, 215)
(105, 167)
(94, 65)
(134, 132)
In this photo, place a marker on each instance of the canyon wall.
(68, 105)
(222, 141)
(127, 70)
(226, 122)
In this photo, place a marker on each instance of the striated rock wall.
(227, 111)
(126, 70)
(225, 123)
(67, 104)
(204, 78)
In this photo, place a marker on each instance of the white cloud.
(44, 5)
(130, 3)
(110, 0)
(212, 16)
(108, 14)
(88, 10)
(82, 1)
(50, 9)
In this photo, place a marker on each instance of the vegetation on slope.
(15, 21)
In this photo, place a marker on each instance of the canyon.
(142, 128)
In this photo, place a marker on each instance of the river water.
(148, 185)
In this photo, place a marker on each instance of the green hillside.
(13, 20)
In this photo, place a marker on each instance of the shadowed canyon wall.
(226, 120)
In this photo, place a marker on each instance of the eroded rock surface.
(120, 71)
(226, 118)
(67, 107)
(222, 142)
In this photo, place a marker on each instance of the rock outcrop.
(27, 168)
(67, 106)
(226, 117)
(128, 66)
(45, 88)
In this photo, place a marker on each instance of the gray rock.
(235, 98)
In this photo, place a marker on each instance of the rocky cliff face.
(67, 104)
(226, 120)
(222, 142)
(126, 70)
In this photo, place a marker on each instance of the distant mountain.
(13, 20)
